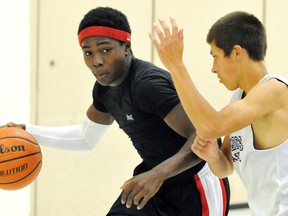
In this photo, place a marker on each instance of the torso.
(270, 130)
(139, 105)
(261, 166)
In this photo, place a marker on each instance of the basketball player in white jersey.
(255, 124)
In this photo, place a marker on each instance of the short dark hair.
(239, 28)
(105, 16)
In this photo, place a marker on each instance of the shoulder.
(274, 76)
(146, 76)
(270, 93)
(98, 89)
(271, 85)
(147, 69)
(144, 70)
(152, 87)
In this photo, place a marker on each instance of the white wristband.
(82, 137)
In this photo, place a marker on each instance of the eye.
(106, 50)
(87, 53)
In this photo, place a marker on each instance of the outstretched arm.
(83, 137)
(208, 122)
(170, 50)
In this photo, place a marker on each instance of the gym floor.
(240, 212)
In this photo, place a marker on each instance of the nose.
(97, 60)
(214, 69)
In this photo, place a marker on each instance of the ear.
(127, 45)
(238, 51)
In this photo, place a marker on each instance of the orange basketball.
(20, 158)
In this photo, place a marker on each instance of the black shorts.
(185, 197)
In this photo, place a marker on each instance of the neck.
(126, 68)
(252, 75)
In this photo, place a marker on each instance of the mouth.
(220, 79)
(99, 74)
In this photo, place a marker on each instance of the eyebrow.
(97, 44)
(83, 47)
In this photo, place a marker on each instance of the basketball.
(20, 158)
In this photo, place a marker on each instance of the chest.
(270, 130)
(131, 116)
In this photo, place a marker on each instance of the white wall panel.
(277, 34)
(14, 87)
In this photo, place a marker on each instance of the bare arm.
(208, 122)
(184, 158)
(141, 188)
(219, 160)
(99, 117)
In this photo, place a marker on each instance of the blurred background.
(44, 81)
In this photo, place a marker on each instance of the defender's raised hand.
(169, 44)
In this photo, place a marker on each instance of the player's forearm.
(181, 161)
(222, 166)
(200, 112)
(82, 137)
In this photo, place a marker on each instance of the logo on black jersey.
(129, 117)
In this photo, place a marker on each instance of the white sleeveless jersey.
(264, 173)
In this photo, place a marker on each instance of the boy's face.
(105, 57)
(225, 67)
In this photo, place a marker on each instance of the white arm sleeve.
(82, 137)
